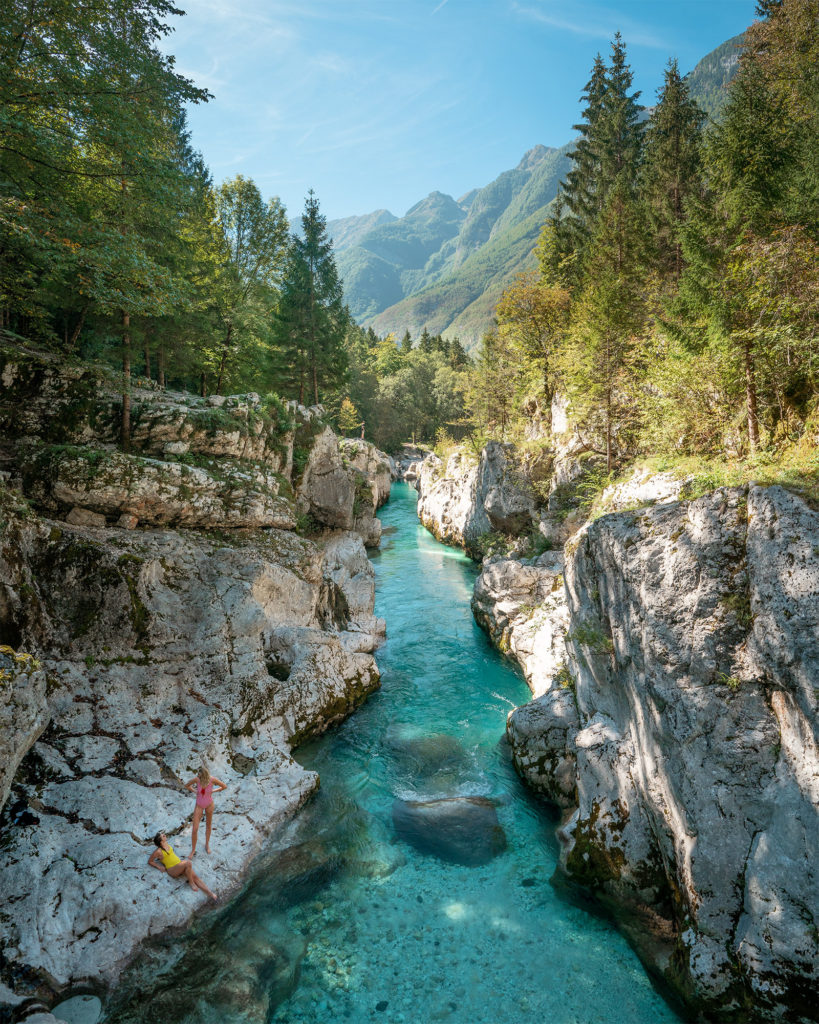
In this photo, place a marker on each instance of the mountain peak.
(533, 156)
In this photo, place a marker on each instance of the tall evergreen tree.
(312, 320)
(672, 168)
(579, 199)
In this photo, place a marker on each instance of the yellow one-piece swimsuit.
(169, 858)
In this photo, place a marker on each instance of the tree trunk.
(223, 360)
(147, 347)
(315, 385)
(125, 427)
(75, 334)
(203, 386)
(160, 364)
(750, 397)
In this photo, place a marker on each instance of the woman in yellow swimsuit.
(164, 859)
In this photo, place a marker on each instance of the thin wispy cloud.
(361, 101)
(596, 24)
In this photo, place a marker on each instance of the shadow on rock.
(243, 962)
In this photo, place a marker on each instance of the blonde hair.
(204, 775)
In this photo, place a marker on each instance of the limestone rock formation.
(522, 605)
(343, 484)
(157, 493)
(464, 499)
(229, 637)
(23, 711)
(684, 743)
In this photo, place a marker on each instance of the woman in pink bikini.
(205, 785)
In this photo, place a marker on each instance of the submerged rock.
(426, 753)
(462, 830)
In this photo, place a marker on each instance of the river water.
(411, 938)
(398, 936)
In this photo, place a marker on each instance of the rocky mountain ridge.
(176, 615)
(443, 265)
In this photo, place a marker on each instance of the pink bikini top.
(204, 794)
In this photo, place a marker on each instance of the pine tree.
(251, 239)
(672, 168)
(578, 200)
(602, 366)
(349, 418)
(312, 320)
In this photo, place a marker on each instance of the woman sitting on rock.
(175, 866)
(205, 784)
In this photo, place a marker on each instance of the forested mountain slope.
(394, 278)
(448, 253)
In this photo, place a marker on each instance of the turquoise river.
(396, 936)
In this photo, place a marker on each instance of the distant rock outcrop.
(466, 498)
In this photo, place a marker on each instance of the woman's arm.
(219, 783)
(152, 860)
(190, 785)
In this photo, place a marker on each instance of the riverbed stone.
(462, 830)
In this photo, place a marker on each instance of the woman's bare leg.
(208, 825)
(204, 888)
(197, 817)
(184, 867)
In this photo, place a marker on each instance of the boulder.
(461, 830)
(343, 484)
(326, 490)
(425, 753)
(85, 517)
(374, 465)
(24, 711)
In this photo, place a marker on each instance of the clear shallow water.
(355, 925)
(431, 940)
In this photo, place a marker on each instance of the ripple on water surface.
(389, 933)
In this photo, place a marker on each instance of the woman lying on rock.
(175, 866)
(205, 785)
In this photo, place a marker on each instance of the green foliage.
(565, 679)
(311, 321)
(278, 412)
(588, 633)
(491, 543)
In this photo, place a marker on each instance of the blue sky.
(376, 103)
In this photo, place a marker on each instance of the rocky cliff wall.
(464, 499)
(678, 731)
(175, 615)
